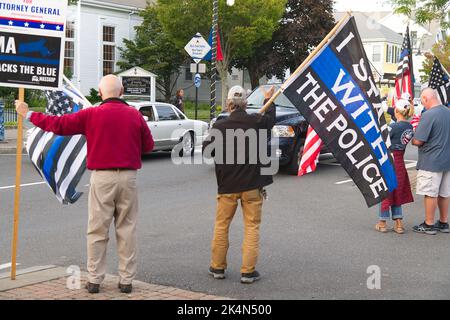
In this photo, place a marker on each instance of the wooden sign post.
(33, 54)
(17, 190)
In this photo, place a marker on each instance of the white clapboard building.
(92, 45)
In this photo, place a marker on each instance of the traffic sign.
(198, 80)
(198, 68)
(197, 48)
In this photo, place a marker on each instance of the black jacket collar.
(114, 99)
(237, 113)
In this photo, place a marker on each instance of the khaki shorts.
(433, 184)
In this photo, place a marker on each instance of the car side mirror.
(146, 118)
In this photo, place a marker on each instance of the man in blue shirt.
(433, 178)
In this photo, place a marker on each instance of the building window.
(69, 49)
(414, 39)
(376, 56)
(388, 53)
(188, 74)
(109, 50)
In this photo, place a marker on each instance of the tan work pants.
(112, 195)
(251, 202)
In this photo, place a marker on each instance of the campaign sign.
(30, 61)
(137, 86)
(33, 16)
(32, 43)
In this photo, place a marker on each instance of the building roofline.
(109, 5)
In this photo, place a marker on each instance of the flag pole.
(17, 190)
(77, 91)
(308, 59)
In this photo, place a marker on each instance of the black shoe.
(92, 287)
(424, 228)
(442, 227)
(248, 278)
(217, 273)
(125, 288)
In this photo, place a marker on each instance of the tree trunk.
(223, 72)
(167, 90)
(254, 76)
(254, 80)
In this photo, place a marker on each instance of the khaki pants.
(112, 195)
(251, 202)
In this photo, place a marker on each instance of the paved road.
(317, 240)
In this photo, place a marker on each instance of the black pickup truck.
(290, 129)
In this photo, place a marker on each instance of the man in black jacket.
(239, 177)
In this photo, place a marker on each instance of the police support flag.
(440, 81)
(336, 93)
(61, 161)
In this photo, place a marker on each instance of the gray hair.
(237, 104)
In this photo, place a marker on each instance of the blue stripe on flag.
(404, 53)
(53, 62)
(327, 66)
(48, 164)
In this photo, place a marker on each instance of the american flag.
(415, 121)
(61, 161)
(440, 81)
(404, 80)
(311, 153)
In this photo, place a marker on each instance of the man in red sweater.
(117, 135)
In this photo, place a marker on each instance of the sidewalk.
(9, 146)
(50, 283)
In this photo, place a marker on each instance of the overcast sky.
(362, 5)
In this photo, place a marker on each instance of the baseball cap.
(402, 104)
(237, 92)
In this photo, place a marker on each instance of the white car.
(170, 127)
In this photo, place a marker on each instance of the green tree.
(304, 24)
(424, 11)
(153, 50)
(243, 27)
(441, 50)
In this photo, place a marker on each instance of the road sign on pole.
(201, 68)
(198, 80)
(197, 48)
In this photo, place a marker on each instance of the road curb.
(10, 150)
(31, 276)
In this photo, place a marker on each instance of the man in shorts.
(433, 178)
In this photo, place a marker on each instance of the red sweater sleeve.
(66, 125)
(147, 139)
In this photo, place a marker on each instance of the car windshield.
(256, 98)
